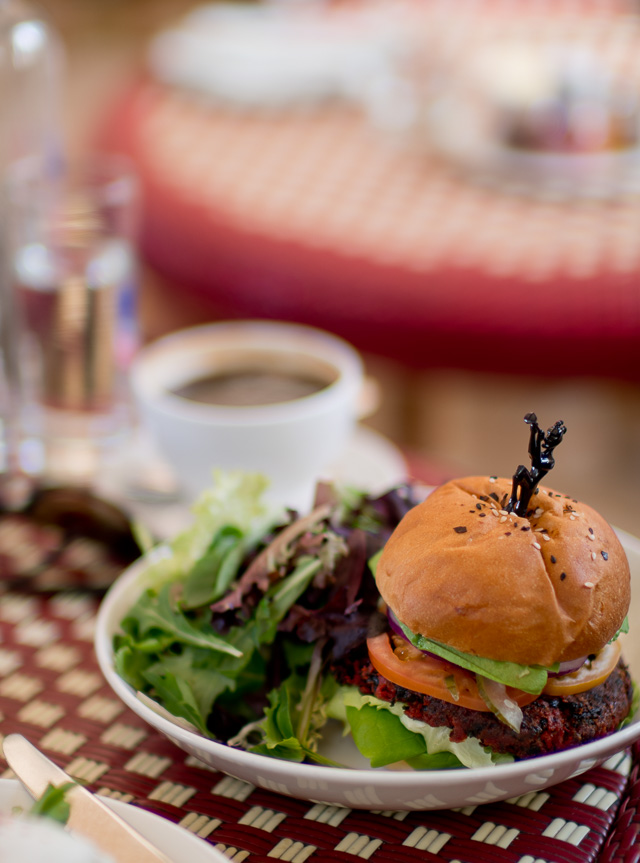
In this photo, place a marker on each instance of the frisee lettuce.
(234, 501)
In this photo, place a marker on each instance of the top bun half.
(549, 587)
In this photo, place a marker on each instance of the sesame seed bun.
(549, 587)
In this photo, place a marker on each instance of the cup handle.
(369, 398)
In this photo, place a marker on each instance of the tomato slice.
(405, 665)
(588, 675)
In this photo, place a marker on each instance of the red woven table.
(313, 216)
(52, 691)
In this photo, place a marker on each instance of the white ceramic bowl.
(362, 787)
(291, 442)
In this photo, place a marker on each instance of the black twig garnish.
(541, 447)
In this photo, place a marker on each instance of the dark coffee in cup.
(251, 386)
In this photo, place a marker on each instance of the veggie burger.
(504, 602)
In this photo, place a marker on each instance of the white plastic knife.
(88, 816)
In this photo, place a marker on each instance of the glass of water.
(73, 278)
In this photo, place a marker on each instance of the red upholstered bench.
(314, 217)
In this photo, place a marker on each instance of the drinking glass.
(73, 277)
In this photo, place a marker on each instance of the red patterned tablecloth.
(52, 691)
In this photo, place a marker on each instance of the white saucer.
(371, 462)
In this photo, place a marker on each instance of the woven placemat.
(52, 691)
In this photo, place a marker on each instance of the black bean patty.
(550, 723)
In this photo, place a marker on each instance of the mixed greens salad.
(249, 612)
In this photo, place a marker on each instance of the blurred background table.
(471, 306)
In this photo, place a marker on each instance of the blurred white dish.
(277, 55)
(548, 113)
(362, 787)
(176, 842)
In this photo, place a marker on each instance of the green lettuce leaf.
(155, 623)
(528, 678)
(381, 737)
(211, 575)
(177, 696)
(53, 803)
(385, 741)
(624, 628)
(292, 722)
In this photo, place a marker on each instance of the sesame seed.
(590, 530)
(553, 560)
(546, 538)
(605, 555)
(503, 512)
(589, 584)
(572, 518)
(478, 506)
(538, 511)
(536, 545)
(482, 515)
(539, 529)
(494, 512)
(591, 536)
(563, 575)
(461, 529)
(493, 478)
(593, 555)
(503, 518)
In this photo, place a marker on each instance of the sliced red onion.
(394, 624)
(569, 666)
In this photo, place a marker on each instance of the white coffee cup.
(292, 442)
